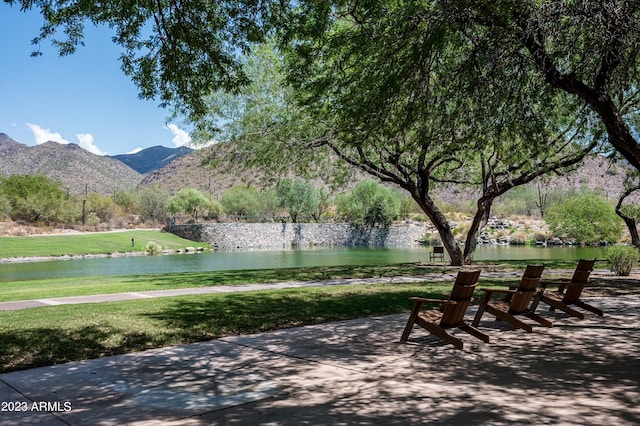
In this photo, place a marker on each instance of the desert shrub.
(241, 200)
(151, 204)
(586, 218)
(622, 259)
(153, 248)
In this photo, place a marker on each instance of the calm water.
(202, 262)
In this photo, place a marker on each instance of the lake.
(233, 260)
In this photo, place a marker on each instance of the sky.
(83, 98)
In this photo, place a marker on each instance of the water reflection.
(268, 259)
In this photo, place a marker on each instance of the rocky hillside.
(70, 164)
(192, 170)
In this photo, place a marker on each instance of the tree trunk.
(629, 221)
(480, 219)
(442, 225)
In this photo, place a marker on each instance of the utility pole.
(84, 204)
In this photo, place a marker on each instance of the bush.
(586, 218)
(622, 259)
(154, 248)
(369, 204)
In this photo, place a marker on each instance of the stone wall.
(275, 236)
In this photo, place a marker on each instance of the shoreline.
(29, 259)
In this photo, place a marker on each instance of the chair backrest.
(527, 288)
(462, 292)
(578, 281)
(438, 250)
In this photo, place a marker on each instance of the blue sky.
(82, 98)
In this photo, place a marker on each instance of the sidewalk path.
(354, 373)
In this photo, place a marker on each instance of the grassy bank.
(58, 334)
(63, 287)
(90, 243)
(39, 289)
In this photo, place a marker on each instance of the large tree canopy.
(396, 113)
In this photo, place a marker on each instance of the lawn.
(41, 289)
(90, 243)
(57, 334)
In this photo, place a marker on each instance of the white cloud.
(44, 135)
(180, 137)
(86, 142)
(135, 151)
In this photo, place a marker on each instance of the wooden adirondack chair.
(516, 301)
(569, 292)
(451, 315)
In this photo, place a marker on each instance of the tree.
(191, 201)
(586, 218)
(301, 199)
(151, 204)
(381, 103)
(241, 200)
(629, 212)
(418, 93)
(369, 204)
(175, 51)
(36, 198)
(587, 49)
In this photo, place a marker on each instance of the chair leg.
(590, 308)
(474, 332)
(481, 308)
(411, 321)
(537, 318)
(553, 305)
(510, 319)
(569, 311)
(444, 335)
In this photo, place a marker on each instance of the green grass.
(94, 243)
(62, 287)
(53, 335)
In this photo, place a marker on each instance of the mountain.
(151, 159)
(76, 168)
(192, 171)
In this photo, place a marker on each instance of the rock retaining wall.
(242, 236)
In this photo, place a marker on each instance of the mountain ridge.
(80, 170)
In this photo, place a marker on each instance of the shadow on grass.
(217, 278)
(241, 313)
(195, 318)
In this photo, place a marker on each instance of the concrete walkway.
(354, 373)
